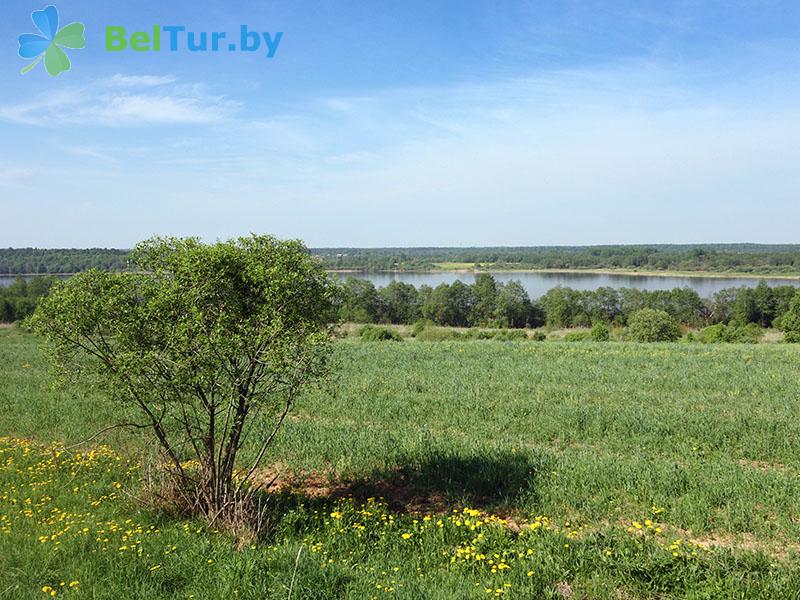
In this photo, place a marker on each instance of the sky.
(415, 123)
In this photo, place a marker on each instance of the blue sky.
(410, 123)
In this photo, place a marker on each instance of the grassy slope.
(594, 436)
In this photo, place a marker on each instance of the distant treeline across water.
(739, 258)
(491, 303)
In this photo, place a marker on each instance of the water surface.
(537, 284)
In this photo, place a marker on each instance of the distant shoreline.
(625, 273)
(622, 272)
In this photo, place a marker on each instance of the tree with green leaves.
(360, 301)
(400, 302)
(653, 325)
(485, 306)
(197, 345)
(790, 321)
(513, 305)
(450, 304)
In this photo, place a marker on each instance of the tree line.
(744, 258)
(489, 303)
(19, 299)
(29, 261)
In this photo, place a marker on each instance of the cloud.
(139, 108)
(15, 176)
(632, 151)
(120, 80)
(105, 104)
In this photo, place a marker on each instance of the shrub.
(419, 326)
(510, 335)
(371, 333)
(790, 322)
(539, 336)
(652, 325)
(600, 333)
(203, 346)
(721, 333)
(503, 335)
(437, 334)
(577, 336)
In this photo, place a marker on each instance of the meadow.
(456, 469)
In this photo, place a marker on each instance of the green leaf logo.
(49, 44)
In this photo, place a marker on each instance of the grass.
(576, 470)
(759, 273)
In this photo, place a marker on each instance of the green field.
(438, 470)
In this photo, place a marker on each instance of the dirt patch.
(564, 589)
(775, 548)
(761, 465)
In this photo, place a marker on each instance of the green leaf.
(55, 60)
(71, 36)
(30, 66)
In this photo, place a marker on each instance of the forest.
(488, 303)
(738, 258)
(724, 258)
(31, 261)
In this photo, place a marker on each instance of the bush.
(600, 333)
(18, 300)
(510, 335)
(539, 336)
(419, 326)
(721, 333)
(792, 337)
(203, 346)
(577, 336)
(652, 325)
(437, 334)
(371, 333)
(790, 322)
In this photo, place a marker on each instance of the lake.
(536, 284)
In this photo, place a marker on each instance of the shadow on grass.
(498, 481)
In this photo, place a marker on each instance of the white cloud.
(629, 152)
(120, 80)
(140, 108)
(105, 105)
(15, 176)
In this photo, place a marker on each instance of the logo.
(177, 37)
(49, 45)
